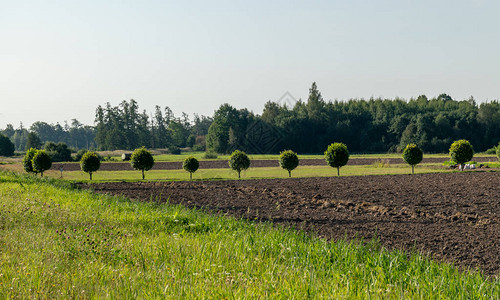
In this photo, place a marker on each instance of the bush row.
(336, 156)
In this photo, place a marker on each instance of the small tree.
(461, 151)
(239, 161)
(142, 160)
(190, 164)
(6, 146)
(289, 161)
(412, 155)
(28, 160)
(41, 162)
(336, 156)
(90, 163)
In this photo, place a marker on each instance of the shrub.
(41, 162)
(90, 163)
(498, 152)
(210, 155)
(412, 155)
(190, 164)
(289, 161)
(492, 150)
(198, 147)
(142, 160)
(336, 156)
(58, 152)
(28, 160)
(6, 146)
(239, 161)
(381, 163)
(174, 150)
(461, 151)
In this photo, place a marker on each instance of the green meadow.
(116, 156)
(251, 173)
(58, 242)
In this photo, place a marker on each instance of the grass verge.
(251, 173)
(59, 242)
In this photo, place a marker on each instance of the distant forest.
(365, 126)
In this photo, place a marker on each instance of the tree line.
(125, 127)
(365, 126)
(75, 135)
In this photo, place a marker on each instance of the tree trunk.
(190, 176)
(41, 174)
(338, 171)
(412, 170)
(289, 173)
(90, 173)
(142, 174)
(239, 174)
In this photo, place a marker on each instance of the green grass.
(199, 156)
(252, 173)
(58, 242)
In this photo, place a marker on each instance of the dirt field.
(453, 216)
(220, 164)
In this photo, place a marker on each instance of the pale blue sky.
(60, 59)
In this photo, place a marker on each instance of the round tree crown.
(41, 161)
(142, 159)
(461, 151)
(412, 154)
(289, 160)
(28, 160)
(337, 155)
(190, 164)
(239, 160)
(90, 162)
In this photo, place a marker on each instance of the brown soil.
(453, 216)
(220, 164)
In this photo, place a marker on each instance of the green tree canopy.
(412, 155)
(28, 160)
(90, 163)
(33, 141)
(461, 151)
(58, 152)
(41, 162)
(6, 146)
(190, 164)
(142, 159)
(336, 156)
(239, 161)
(289, 161)
(498, 151)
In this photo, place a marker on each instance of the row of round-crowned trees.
(336, 156)
(36, 161)
(141, 159)
(461, 151)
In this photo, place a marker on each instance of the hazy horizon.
(61, 60)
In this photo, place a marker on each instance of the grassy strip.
(57, 242)
(252, 173)
(199, 156)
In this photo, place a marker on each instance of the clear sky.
(61, 59)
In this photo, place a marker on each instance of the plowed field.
(452, 216)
